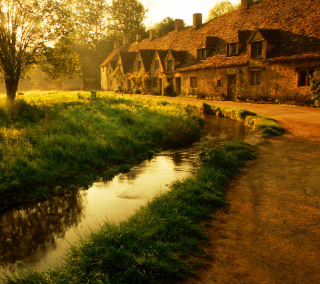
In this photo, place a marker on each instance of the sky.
(178, 9)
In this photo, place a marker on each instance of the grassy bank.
(160, 242)
(268, 126)
(51, 142)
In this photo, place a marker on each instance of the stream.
(38, 234)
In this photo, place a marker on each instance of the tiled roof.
(128, 60)
(147, 57)
(292, 25)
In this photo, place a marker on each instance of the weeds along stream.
(39, 233)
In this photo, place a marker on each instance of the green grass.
(160, 243)
(52, 142)
(268, 126)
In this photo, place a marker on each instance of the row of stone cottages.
(264, 48)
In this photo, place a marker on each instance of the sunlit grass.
(160, 242)
(69, 139)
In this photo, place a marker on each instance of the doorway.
(232, 84)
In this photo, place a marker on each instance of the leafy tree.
(165, 26)
(92, 39)
(62, 61)
(126, 18)
(26, 28)
(315, 88)
(221, 8)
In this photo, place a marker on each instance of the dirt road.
(270, 231)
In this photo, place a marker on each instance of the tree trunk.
(12, 87)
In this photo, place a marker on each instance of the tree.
(62, 61)
(26, 28)
(165, 26)
(221, 8)
(91, 38)
(126, 18)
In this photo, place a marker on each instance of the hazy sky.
(178, 9)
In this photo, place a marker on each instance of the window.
(256, 49)
(157, 64)
(155, 82)
(170, 81)
(232, 49)
(255, 77)
(202, 53)
(139, 65)
(193, 82)
(304, 77)
(219, 83)
(169, 65)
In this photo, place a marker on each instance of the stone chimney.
(197, 20)
(152, 34)
(138, 37)
(178, 25)
(245, 4)
(116, 44)
(125, 40)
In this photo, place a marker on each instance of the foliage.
(160, 243)
(126, 17)
(221, 8)
(315, 88)
(91, 38)
(26, 27)
(140, 81)
(268, 126)
(165, 26)
(62, 61)
(117, 74)
(70, 139)
(168, 90)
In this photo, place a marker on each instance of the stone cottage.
(264, 48)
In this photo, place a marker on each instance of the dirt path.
(270, 231)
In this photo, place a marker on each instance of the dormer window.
(201, 53)
(232, 49)
(169, 65)
(256, 49)
(157, 64)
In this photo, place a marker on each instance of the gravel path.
(270, 231)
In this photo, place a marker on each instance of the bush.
(137, 91)
(168, 90)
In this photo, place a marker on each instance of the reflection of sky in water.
(40, 233)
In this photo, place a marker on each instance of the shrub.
(168, 90)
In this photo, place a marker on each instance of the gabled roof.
(128, 60)
(292, 25)
(147, 57)
(162, 55)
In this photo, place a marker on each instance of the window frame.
(157, 64)
(170, 66)
(170, 81)
(255, 77)
(307, 77)
(139, 65)
(201, 54)
(155, 82)
(193, 82)
(232, 49)
(257, 49)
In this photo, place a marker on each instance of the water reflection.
(33, 229)
(40, 233)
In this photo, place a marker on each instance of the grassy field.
(160, 243)
(53, 142)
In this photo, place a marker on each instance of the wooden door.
(232, 84)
